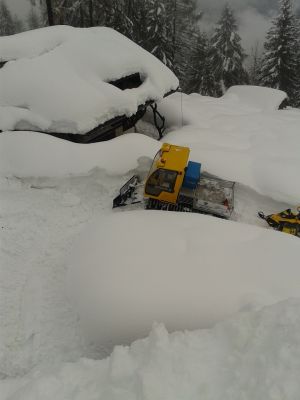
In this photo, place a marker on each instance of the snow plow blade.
(127, 191)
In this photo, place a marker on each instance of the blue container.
(192, 175)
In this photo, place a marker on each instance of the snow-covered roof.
(56, 78)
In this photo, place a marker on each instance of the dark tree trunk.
(91, 12)
(81, 22)
(50, 12)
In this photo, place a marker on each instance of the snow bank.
(56, 78)
(194, 109)
(261, 98)
(234, 140)
(253, 356)
(31, 154)
(189, 271)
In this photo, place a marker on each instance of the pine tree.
(280, 59)
(33, 19)
(7, 25)
(18, 24)
(228, 54)
(202, 79)
(183, 17)
(296, 92)
(255, 66)
(50, 12)
(157, 40)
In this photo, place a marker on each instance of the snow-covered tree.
(7, 25)
(228, 55)
(255, 62)
(183, 17)
(280, 63)
(50, 12)
(201, 79)
(18, 23)
(33, 19)
(157, 40)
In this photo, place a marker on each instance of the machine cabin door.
(161, 185)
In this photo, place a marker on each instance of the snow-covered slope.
(56, 78)
(252, 356)
(32, 154)
(186, 270)
(231, 266)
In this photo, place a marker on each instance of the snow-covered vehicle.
(84, 85)
(174, 183)
(286, 221)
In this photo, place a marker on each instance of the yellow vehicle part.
(166, 175)
(285, 221)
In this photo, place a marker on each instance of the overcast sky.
(254, 16)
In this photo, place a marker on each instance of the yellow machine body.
(285, 221)
(166, 174)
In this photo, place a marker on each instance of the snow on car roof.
(56, 79)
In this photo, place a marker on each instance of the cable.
(181, 108)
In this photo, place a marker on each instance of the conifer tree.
(7, 25)
(158, 42)
(33, 19)
(202, 79)
(255, 66)
(228, 54)
(183, 17)
(280, 64)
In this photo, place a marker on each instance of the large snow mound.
(234, 140)
(252, 356)
(32, 154)
(258, 97)
(56, 78)
(129, 269)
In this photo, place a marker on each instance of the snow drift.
(56, 79)
(189, 271)
(241, 137)
(258, 97)
(32, 154)
(253, 356)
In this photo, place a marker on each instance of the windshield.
(161, 180)
(156, 158)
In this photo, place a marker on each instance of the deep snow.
(32, 154)
(255, 355)
(41, 217)
(258, 147)
(187, 270)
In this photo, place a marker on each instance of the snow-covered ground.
(255, 355)
(189, 271)
(258, 147)
(51, 191)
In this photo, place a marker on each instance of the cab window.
(161, 180)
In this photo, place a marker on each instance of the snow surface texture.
(56, 79)
(255, 355)
(40, 218)
(131, 269)
(241, 137)
(29, 154)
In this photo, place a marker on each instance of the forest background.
(206, 61)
